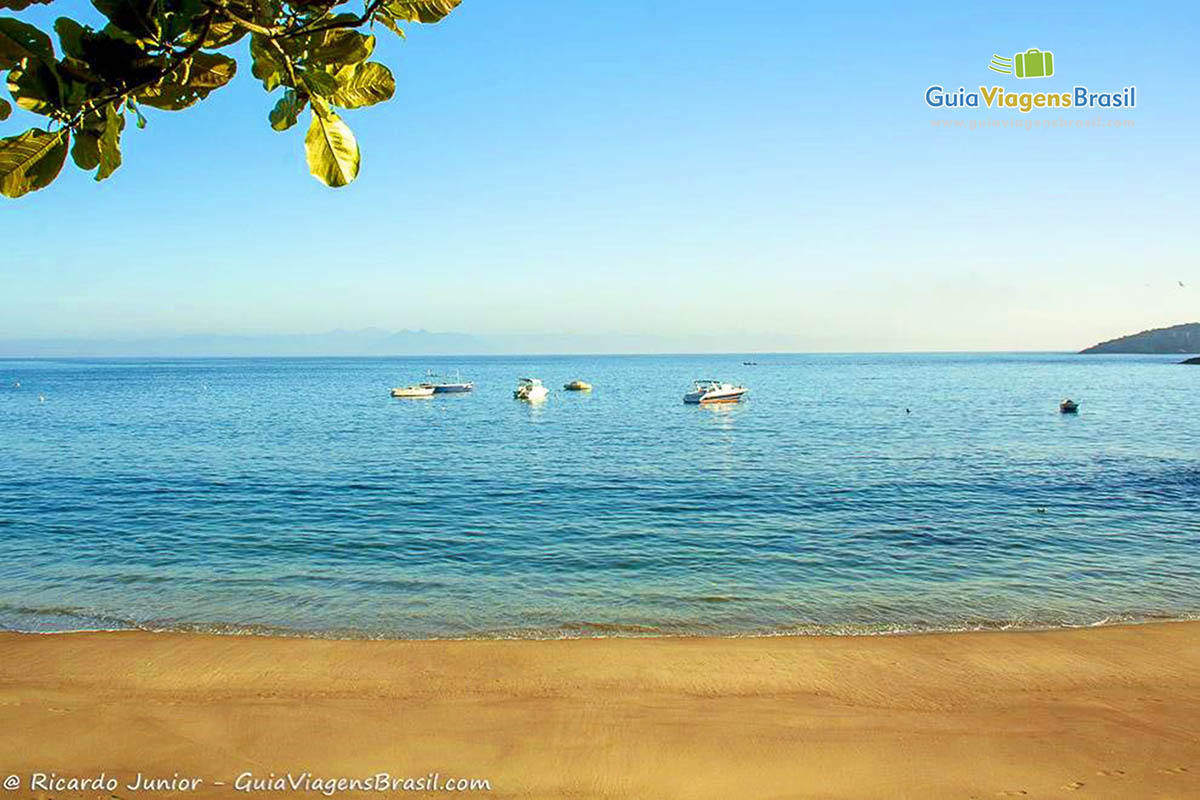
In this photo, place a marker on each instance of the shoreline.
(828, 631)
(930, 715)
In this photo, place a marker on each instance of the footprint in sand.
(1073, 785)
(1111, 773)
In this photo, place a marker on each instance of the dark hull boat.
(455, 386)
(449, 388)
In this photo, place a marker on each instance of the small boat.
(530, 389)
(1068, 406)
(577, 386)
(448, 386)
(707, 392)
(412, 391)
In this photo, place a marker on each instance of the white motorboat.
(412, 391)
(530, 389)
(706, 392)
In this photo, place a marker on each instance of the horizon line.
(326, 356)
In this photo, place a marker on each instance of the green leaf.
(337, 46)
(220, 34)
(426, 11)
(135, 17)
(175, 17)
(21, 5)
(190, 82)
(86, 150)
(76, 69)
(110, 55)
(20, 40)
(268, 67)
(390, 21)
(109, 144)
(345, 20)
(287, 110)
(119, 33)
(35, 88)
(332, 152)
(209, 71)
(319, 82)
(70, 36)
(74, 92)
(363, 85)
(31, 161)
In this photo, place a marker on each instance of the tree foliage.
(165, 54)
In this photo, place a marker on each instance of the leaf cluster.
(166, 55)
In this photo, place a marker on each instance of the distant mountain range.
(1180, 339)
(1177, 339)
(334, 343)
(377, 342)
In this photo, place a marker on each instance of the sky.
(765, 173)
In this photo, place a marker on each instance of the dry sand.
(1098, 713)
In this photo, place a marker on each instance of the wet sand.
(1098, 713)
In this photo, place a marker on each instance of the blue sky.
(766, 172)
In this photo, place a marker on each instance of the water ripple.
(296, 497)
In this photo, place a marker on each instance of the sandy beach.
(1098, 713)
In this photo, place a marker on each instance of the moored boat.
(412, 391)
(707, 392)
(577, 386)
(1068, 406)
(530, 389)
(456, 385)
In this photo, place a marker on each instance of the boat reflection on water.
(722, 414)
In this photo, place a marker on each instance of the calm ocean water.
(296, 496)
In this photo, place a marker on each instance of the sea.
(848, 494)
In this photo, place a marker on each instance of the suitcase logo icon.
(1033, 63)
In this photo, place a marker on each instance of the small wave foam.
(53, 621)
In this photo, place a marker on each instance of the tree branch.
(176, 62)
(253, 27)
(329, 26)
(287, 62)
